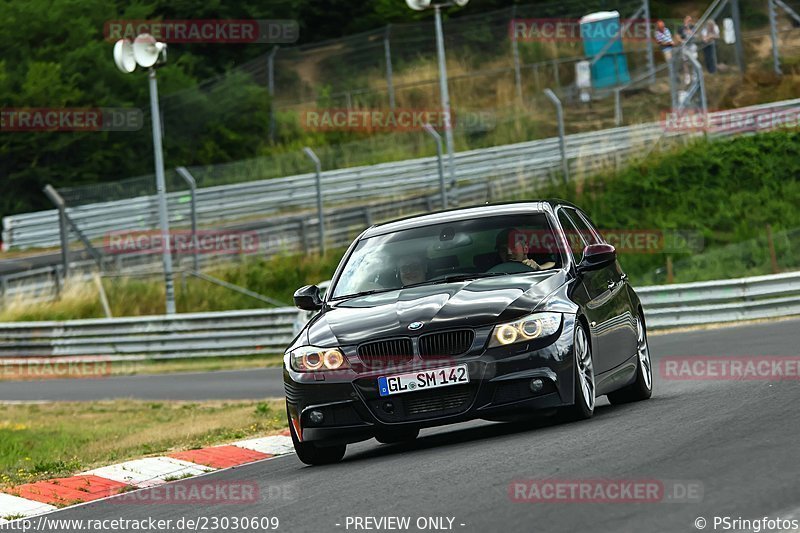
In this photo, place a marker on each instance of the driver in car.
(516, 251)
(412, 271)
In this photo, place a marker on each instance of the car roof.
(463, 213)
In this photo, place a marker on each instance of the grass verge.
(37, 370)
(42, 441)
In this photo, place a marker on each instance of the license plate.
(423, 380)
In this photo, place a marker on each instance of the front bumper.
(499, 383)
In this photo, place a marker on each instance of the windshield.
(439, 253)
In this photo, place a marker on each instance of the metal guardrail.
(250, 332)
(228, 333)
(282, 233)
(689, 304)
(356, 186)
(355, 197)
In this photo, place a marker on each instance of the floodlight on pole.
(420, 5)
(147, 52)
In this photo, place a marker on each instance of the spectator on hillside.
(664, 40)
(709, 36)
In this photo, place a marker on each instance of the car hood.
(448, 305)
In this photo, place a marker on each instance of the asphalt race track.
(777, 338)
(737, 440)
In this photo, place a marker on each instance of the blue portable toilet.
(597, 29)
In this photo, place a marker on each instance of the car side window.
(591, 227)
(574, 238)
(584, 229)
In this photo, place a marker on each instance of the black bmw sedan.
(495, 312)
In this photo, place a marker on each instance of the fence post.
(651, 63)
(189, 179)
(561, 136)
(617, 106)
(387, 50)
(673, 89)
(515, 53)
(737, 27)
(320, 215)
(670, 274)
(556, 74)
(271, 90)
(438, 138)
(773, 33)
(773, 257)
(63, 230)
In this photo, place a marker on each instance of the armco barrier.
(352, 186)
(250, 332)
(354, 198)
(227, 333)
(689, 304)
(360, 185)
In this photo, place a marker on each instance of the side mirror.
(597, 256)
(307, 298)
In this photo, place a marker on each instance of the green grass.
(728, 191)
(277, 278)
(41, 441)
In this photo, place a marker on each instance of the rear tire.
(313, 454)
(583, 408)
(642, 388)
(397, 436)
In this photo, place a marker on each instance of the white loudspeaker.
(419, 5)
(146, 50)
(123, 56)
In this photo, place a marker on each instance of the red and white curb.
(41, 497)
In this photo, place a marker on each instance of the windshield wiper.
(446, 279)
(457, 277)
(362, 293)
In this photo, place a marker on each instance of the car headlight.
(525, 329)
(313, 358)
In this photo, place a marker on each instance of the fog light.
(316, 417)
(536, 385)
(388, 407)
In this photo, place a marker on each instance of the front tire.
(313, 454)
(642, 388)
(583, 408)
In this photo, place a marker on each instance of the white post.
(161, 188)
